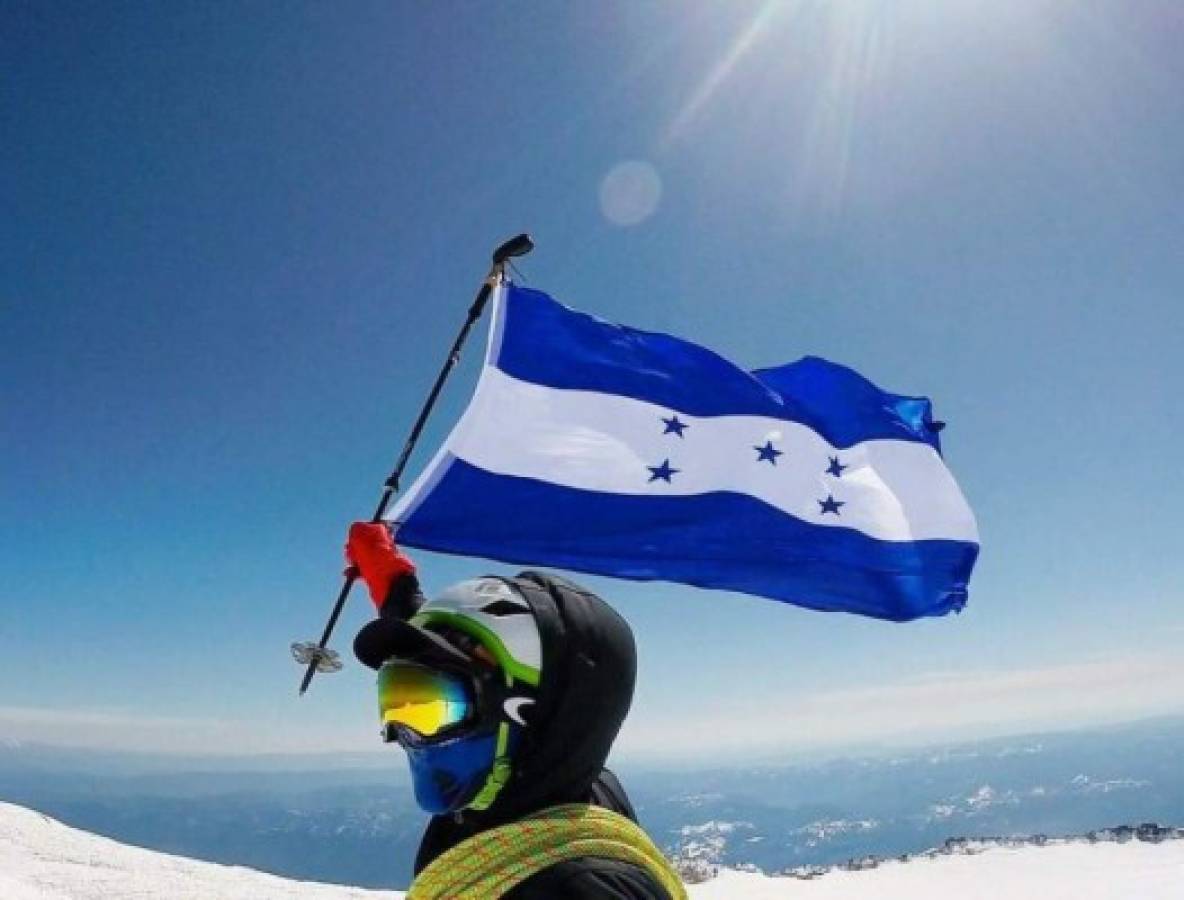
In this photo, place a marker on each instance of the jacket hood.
(589, 666)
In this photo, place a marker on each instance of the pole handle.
(519, 245)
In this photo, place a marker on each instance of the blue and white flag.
(598, 448)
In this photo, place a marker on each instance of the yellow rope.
(489, 864)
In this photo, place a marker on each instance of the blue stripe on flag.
(546, 343)
(719, 540)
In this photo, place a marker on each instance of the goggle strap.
(500, 773)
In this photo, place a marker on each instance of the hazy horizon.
(389, 759)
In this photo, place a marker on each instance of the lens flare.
(630, 192)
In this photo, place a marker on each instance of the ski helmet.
(483, 627)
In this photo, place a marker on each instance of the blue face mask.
(448, 775)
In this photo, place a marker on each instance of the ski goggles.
(429, 703)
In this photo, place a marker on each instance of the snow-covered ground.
(41, 859)
(1132, 871)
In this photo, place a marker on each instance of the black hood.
(589, 669)
(589, 666)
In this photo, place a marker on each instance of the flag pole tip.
(518, 245)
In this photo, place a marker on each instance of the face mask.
(449, 774)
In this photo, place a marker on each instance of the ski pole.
(316, 656)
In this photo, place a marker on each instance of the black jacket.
(588, 672)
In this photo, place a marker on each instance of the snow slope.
(41, 859)
(1133, 871)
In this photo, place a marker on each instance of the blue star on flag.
(674, 426)
(768, 453)
(835, 468)
(830, 504)
(662, 472)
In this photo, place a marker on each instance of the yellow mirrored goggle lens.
(424, 700)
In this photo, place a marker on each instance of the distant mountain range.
(695, 864)
(357, 825)
(781, 817)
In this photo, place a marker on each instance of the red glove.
(371, 550)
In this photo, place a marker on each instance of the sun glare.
(719, 73)
(804, 82)
(841, 45)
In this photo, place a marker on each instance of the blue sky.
(235, 244)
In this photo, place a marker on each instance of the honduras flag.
(599, 448)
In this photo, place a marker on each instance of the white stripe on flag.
(890, 490)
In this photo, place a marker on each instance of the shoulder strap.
(493, 862)
(609, 793)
